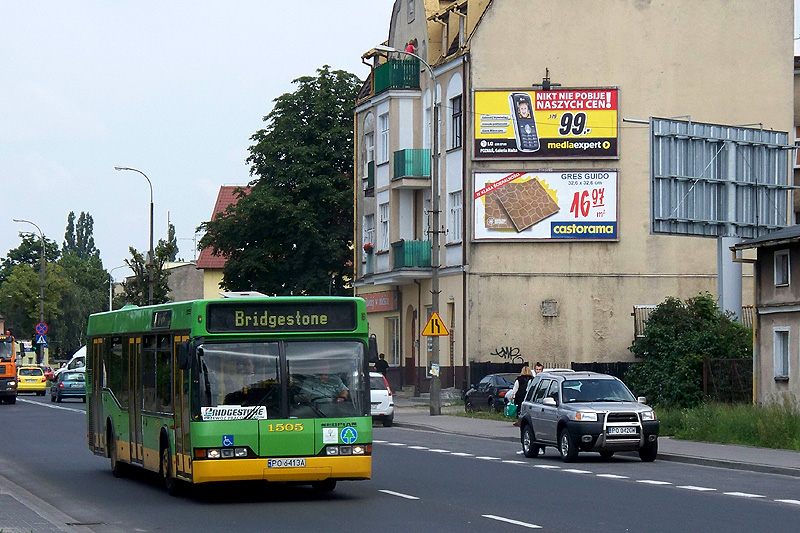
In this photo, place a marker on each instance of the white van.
(76, 362)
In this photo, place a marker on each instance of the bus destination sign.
(280, 317)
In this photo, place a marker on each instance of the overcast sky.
(172, 88)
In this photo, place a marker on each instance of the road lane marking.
(612, 476)
(546, 466)
(439, 450)
(653, 482)
(743, 494)
(463, 454)
(398, 494)
(487, 458)
(792, 502)
(23, 400)
(379, 441)
(576, 471)
(692, 487)
(510, 521)
(418, 447)
(395, 444)
(514, 462)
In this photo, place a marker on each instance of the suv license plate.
(622, 431)
(286, 463)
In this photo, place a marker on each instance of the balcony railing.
(397, 74)
(412, 163)
(411, 254)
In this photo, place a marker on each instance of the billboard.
(532, 205)
(554, 124)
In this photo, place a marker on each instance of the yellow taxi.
(31, 379)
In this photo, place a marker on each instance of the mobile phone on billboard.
(524, 123)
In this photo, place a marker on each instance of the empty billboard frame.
(714, 180)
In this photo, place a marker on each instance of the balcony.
(411, 254)
(397, 74)
(411, 169)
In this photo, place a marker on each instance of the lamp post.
(151, 255)
(436, 383)
(111, 286)
(40, 357)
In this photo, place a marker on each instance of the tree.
(20, 297)
(292, 233)
(170, 246)
(29, 252)
(678, 336)
(137, 287)
(78, 239)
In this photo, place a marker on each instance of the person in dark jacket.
(520, 386)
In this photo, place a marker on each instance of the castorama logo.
(588, 230)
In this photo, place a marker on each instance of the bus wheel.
(117, 468)
(324, 486)
(173, 485)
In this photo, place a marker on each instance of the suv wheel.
(529, 447)
(648, 452)
(569, 452)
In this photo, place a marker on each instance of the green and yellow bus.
(227, 390)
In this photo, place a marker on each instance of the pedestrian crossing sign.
(435, 327)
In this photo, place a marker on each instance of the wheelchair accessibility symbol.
(227, 440)
(349, 435)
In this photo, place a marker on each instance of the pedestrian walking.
(520, 386)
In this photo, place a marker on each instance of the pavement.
(414, 412)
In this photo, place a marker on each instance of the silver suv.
(585, 411)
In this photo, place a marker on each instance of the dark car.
(69, 384)
(489, 394)
(588, 412)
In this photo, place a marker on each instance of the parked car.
(489, 393)
(31, 378)
(586, 411)
(69, 384)
(381, 399)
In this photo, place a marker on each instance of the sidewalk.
(414, 412)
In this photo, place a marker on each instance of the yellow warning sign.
(435, 327)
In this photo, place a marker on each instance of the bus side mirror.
(372, 352)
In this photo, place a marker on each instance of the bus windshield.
(322, 379)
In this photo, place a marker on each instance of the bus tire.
(324, 486)
(172, 485)
(117, 467)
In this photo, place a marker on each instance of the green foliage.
(292, 233)
(29, 252)
(137, 287)
(678, 336)
(87, 293)
(170, 246)
(78, 240)
(774, 426)
(21, 302)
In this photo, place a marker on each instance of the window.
(383, 140)
(781, 267)
(369, 144)
(426, 128)
(384, 229)
(456, 216)
(541, 391)
(455, 121)
(781, 352)
(368, 233)
(444, 38)
(393, 340)
(462, 30)
(410, 11)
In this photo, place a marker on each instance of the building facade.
(543, 169)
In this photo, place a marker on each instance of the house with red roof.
(210, 263)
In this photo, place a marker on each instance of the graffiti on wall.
(511, 353)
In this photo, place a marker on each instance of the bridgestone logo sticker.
(234, 412)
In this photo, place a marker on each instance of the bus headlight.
(213, 453)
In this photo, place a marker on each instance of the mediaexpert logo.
(583, 230)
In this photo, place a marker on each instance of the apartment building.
(543, 168)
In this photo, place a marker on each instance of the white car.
(76, 362)
(381, 398)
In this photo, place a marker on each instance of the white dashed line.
(654, 482)
(510, 521)
(439, 451)
(418, 447)
(514, 462)
(379, 441)
(792, 502)
(398, 494)
(23, 400)
(546, 466)
(487, 458)
(692, 487)
(612, 476)
(463, 454)
(743, 494)
(576, 471)
(395, 444)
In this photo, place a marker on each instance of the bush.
(678, 336)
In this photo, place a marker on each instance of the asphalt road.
(423, 481)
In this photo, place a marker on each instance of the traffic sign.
(41, 339)
(435, 327)
(41, 328)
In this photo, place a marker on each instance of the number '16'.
(580, 203)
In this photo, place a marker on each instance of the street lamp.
(41, 281)
(111, 286)
(436, 383)
(151, 255)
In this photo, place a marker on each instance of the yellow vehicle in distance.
(31, 378)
